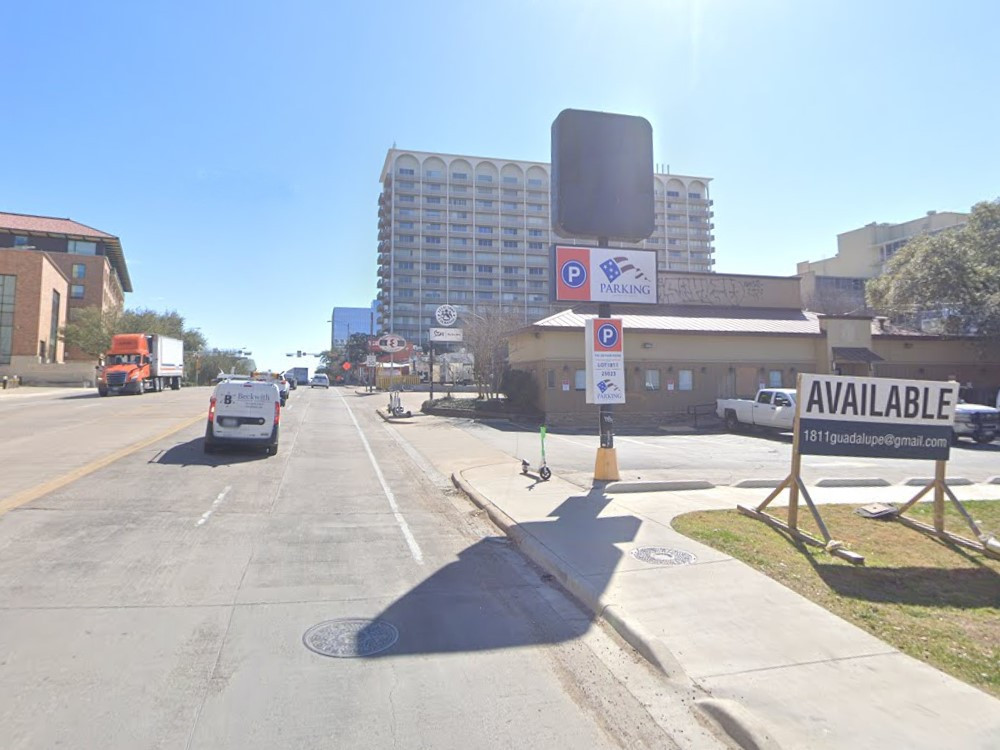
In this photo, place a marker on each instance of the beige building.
(717, 336)
(476, 233)
(837, 284)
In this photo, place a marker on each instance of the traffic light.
(298, 352)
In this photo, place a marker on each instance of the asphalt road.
(161, 599)
(720, 458)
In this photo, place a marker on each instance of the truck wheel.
(102, 391)
(175, 384)
(272, 450)
(732, 423)
(983, 439)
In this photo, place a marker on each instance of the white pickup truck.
(773, 408)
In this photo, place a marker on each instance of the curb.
(758, 483)
(731, 718)
(648, 645)
(852, 482)
(737, 722)
(956, 481)
(666, 485)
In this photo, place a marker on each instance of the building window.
(652, 380)
(405, 171)
(550, 378)
(536, 272)
(7, 284)
(457, 201)
(536, 246)
(695, 196)
(774, 379)
(534, 182)
(536, 285)
(76, 291)
(508, 180)
(511, 244)
(405, 265)
(459, 268)
(435, 173)
(484, 178)
(536, 233)
(432, 199)
(79, 271)
(81, 247)
(484, 269)
(508, 206)
(459, 176)
(483, 204)
(54, 325)
(432, 266)
(509, 230)
(484, 230)
(685, 380)
(484, 243)
(406, 198)
(580, 380)
(19, 240)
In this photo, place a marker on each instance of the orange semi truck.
(140, 362)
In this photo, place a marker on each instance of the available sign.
(877, 417)
(605, 361)
(604, 274)
(453, 335)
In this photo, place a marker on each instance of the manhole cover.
(350, 637)
(663, 556)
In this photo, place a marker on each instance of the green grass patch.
(934, 601)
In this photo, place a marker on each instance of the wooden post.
(793, 489)
(939, 470)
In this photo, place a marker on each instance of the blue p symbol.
(607, 334)
(573, 273)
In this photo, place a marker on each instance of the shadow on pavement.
(75, 396)
(482, 602)
(192, 453)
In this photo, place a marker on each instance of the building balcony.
(383, 270)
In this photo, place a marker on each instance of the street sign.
(370, 360)
(346, 366)
(453, 335)
(604, 274)
(875, 417)
(391, 343)
(605, 361)
(445, 315)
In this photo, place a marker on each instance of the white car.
(278, 379)
(243, 414)
(320, 381)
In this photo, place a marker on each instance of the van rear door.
(245, 411)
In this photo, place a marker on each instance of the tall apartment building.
(837, 284)
(476, 233)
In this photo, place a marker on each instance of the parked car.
(320, 381)
(981, 423)
(773, 408)
(243, 413)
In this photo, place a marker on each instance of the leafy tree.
(954, 276)
(356, 349)
(204, 365)
(90, 329)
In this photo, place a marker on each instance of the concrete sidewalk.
(774, 668)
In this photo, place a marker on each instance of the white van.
(244, 414)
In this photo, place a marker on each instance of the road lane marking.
(411, 542)
(33, 493)
(215, 504)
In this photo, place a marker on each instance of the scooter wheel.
(545, 472)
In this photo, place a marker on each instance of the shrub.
(520, 389)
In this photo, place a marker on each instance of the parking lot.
(723, 458)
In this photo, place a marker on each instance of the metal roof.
(699, 319)
(855, 354)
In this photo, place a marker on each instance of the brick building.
(41, 256)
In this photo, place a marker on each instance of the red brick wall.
(37, 278)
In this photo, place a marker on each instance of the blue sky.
(235, 147)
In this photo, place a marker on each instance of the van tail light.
(211, 410)
(277, 412)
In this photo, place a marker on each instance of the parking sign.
(605, 361)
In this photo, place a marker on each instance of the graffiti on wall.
(709, 290)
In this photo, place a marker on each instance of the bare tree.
(485, 333)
